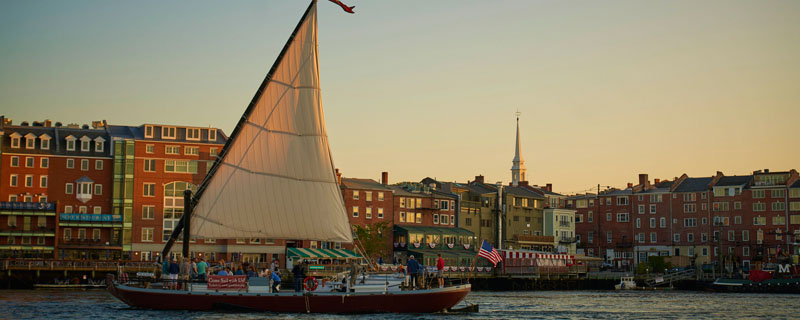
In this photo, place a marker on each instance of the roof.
(58, 142)
(476, 188)
(369, 184)
(582, 196)
(796, 184)
(522, 192)
(733, 181)
(655, 190)
(616, 192)
(694, 184)
(137, 133)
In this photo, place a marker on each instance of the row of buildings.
(732, 219)
(115, 192)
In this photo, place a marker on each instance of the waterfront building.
(651, 221)
(586, 226)
(615, 231)
(368, 203)
(69, 166)
(560, 224)
(690, 203)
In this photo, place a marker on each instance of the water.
(41, 304)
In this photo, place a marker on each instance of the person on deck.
(194, 268)
(440, 270)
(276, 281)
(413, 271)
(299, 273)
(185, 272)
(165, 272)
(252, 273)
(239, 272)
(224, 272)
(353, 274)
(202, 266)
(174, 270)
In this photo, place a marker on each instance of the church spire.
(518, 171)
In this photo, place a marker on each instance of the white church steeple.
(518, 172)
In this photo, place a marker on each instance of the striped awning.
(308, 253)
(554, 256)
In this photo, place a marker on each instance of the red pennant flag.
(344, 6)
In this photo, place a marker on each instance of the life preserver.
(310, 283)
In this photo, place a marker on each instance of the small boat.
(275, 178)
(626, 283)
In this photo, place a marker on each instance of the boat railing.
(77, 265)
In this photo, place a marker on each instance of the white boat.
(626, 283)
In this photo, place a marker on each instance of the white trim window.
(70, 143)
(148, 212)
(13, 180)
(30, 141)
(191, 151)
(168, 133)
(149, 190)
(29, 180)
(14, 161)
(15, 139)
(68, 189)
(70, 163)
(97, 210)
(86, 143)
(84, 164)
(147, 234)
(150, 148)
(30, 162)
(212, 134)
(99, 144)
(98, 164)
(148, 131)
(355, 212)
(43, 182)
(193, 134)
(44, 163)
(380, 213)
(98, 189)
(172, 150)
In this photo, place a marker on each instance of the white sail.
(276, 178)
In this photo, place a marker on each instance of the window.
(590, 217)
(172, 150)
(689, 197)
(356, 196)
(67, 209)
(147, 234)
(43, 182)
(452, 219)
(98, 164)
(590, 237)
(655, 198)
(623, 217)
(737, 205)
(662, 222)
(368, 212)
(403, 217)
(15, 161)
(369, 195)
(759, 206)
(85, 144)
(704, 206)
(638, 223)
(641, 209)
(180, 166)
(778, 220)
(745, 235)
(794, 206)
(436, 218)
(191, 151)
(778, 234)
(622, 201)
(99, 144)
(444, 204)
(652, 209)
(608, 216)
(794, 193)
(419, 217)
(212, 134)
(192, 134)
(173, 205)
(689, 208)
(779, 193)
(96, 234)
(690, 237)
(149, 190)
(355, 212)
(28, 180)
(98, 189)
(15, 140)
(149, 148)
(149, 165)
(148, 212)
(609, 236)
(70, 163)
(676, 237)
(44, 162)
(795, 219)
(85, 164)
(731, 235)
(82, 234)
(380, 196)
(14, 180)
(758, 194)
(30, 141)
(759, 221)
(652, 222)
(653, 237)
(167, 132)
(380, 213)
(608, 201)
(29, 162)
(67, 234)
(704, 237)
(778, 206)
(148, 131)
(720, 206)
(12, 221)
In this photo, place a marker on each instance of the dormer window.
(15, 137)
(192, 134)
(148, 131)
(99, 144)
(167, 132)
(45, 145)
(30, 141)
(86, 143)
(71, 143)
(212, 134)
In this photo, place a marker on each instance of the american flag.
(490, 253)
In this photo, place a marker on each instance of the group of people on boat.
(415, 274)
(197, 270)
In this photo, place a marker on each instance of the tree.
(371, 239)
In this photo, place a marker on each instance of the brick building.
(368, 202)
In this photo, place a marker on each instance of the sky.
(606, 89)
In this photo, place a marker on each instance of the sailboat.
(275, 178)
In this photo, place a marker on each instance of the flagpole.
(473, 265)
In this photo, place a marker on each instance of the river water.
(42, 304)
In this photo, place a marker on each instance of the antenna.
(518, 113)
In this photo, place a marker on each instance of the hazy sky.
(607, 89)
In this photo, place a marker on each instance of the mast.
(236, 131)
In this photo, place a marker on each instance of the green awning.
(309, 253)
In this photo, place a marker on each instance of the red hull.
(422, 301)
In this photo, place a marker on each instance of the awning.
(308, 253)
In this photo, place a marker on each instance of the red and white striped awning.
(519, 255)
(554, 256)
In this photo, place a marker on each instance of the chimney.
(657, 180)
(338, 177)
(766, 170)
(385, 177)
(630, 185)
(643, 180)
(479, 179)
(48, 123)
(549, 187)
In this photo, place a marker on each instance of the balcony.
(82, 218)
(40, 206)
(564, 224)
(567, 240)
